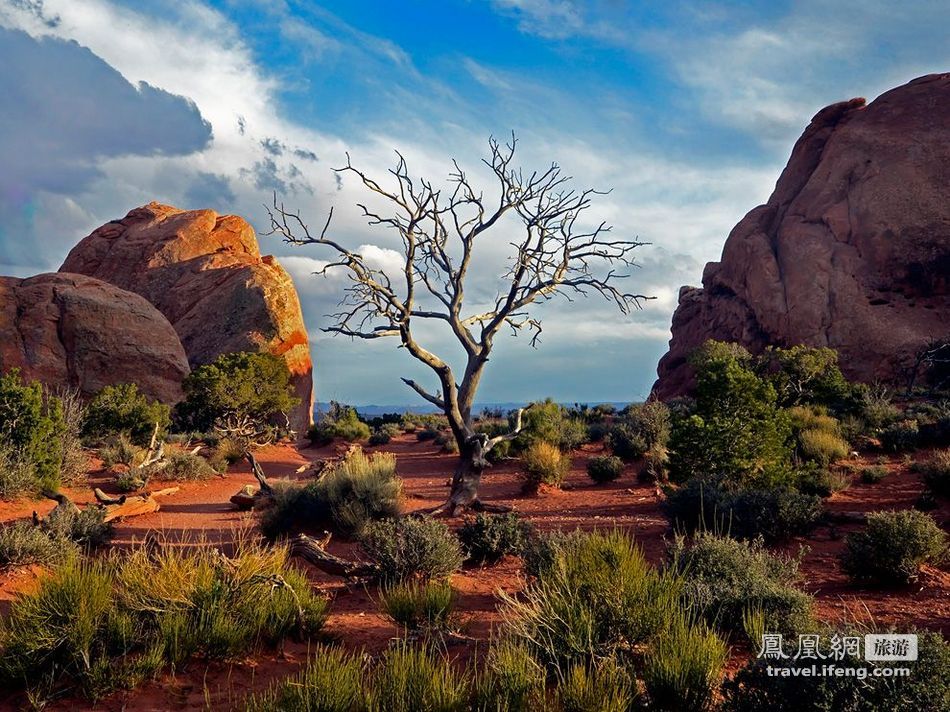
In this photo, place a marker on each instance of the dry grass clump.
(544, 463)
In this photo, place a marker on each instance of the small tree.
(556, 254)
(31, 427)
(122, 408)
(243, 385)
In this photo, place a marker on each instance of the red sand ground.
(201, 511)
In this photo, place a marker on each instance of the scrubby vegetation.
(97, 625)
(725, 579)
(544, 464)
(340, 421)
(486, 538)
(346, 499)
(418, 604)
(640, 429)
(409, 548)
(936, 472)
(244, 385)
(893, 546)
(551, 423)
(63, 533)
(31, 437)
(122, 411)
(604, 468)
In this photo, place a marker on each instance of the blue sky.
(686, 110)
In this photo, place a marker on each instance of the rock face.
(852, 250)
(205, 273)
(76, 330)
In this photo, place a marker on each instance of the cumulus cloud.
(64, 111)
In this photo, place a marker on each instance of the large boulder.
(76, 330)
(852, 250)
(205, 273)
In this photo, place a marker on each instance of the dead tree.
(556, 253)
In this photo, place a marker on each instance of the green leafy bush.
(384, 434)
(243, 385)
(331, 682)
(775, 513)
(549, 422)
(936, 472)
(735, 432)
(409, 679)
(412, 548)
(120, 450)
(604, 468)
(340, 421)
(182, 466)
(640, 428)
(596, 687)
(98, 621)
(225, 453)
(682, 669)
(656, 462)
(31, 430)
(804, 375)
(725, 578)
(416, 605)
(544, 463)
(486, 538)
(511, 680)
(122, 410)
(815, 479)
(594, 598)
(892, 547)
(822, 446)
(873, 474)
(900, 436)
(356, 491)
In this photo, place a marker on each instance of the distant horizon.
(376, 409)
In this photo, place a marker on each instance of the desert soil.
(202, 512)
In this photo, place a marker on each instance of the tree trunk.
(467, 478)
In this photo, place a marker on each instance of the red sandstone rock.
(76, 330)
(205, 273)
(851, 251)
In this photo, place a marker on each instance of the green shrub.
(815, 479)
(573, 434)
(23, 543)
(656, 462)
(243, 385)
(901, 436)
(775, 514)
(549, 422)
(31, 431)
(410, 679)
(605, 468)
(412, 547)
(936, 472)
(893, 546)
(122, 410)
(486, 538)
(682, 669)
(182, 466)
(626, 443)
(331, 682)
(804, 375)
(544, 464)
(341, 422)
(640, 428)
(873, 474)
(86, 527)
(225, 453)
(596, 597)
(511, 680)
(822, 446)
(379, 437)
(346, 498)
(120, 450)
(725, 578)
(542, 550)
(17, 475)
(596, 687)
(754, 688)
(415, 605)
(75, 458)
(735, 432)
(94, 618)
(447, 442)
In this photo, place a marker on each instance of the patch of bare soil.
(202, 512)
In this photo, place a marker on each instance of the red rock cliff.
(851, 251)
(205, 273)
(76, 330)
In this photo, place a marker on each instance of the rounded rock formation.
(852, 250)
(72, 329)
(205, 273)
